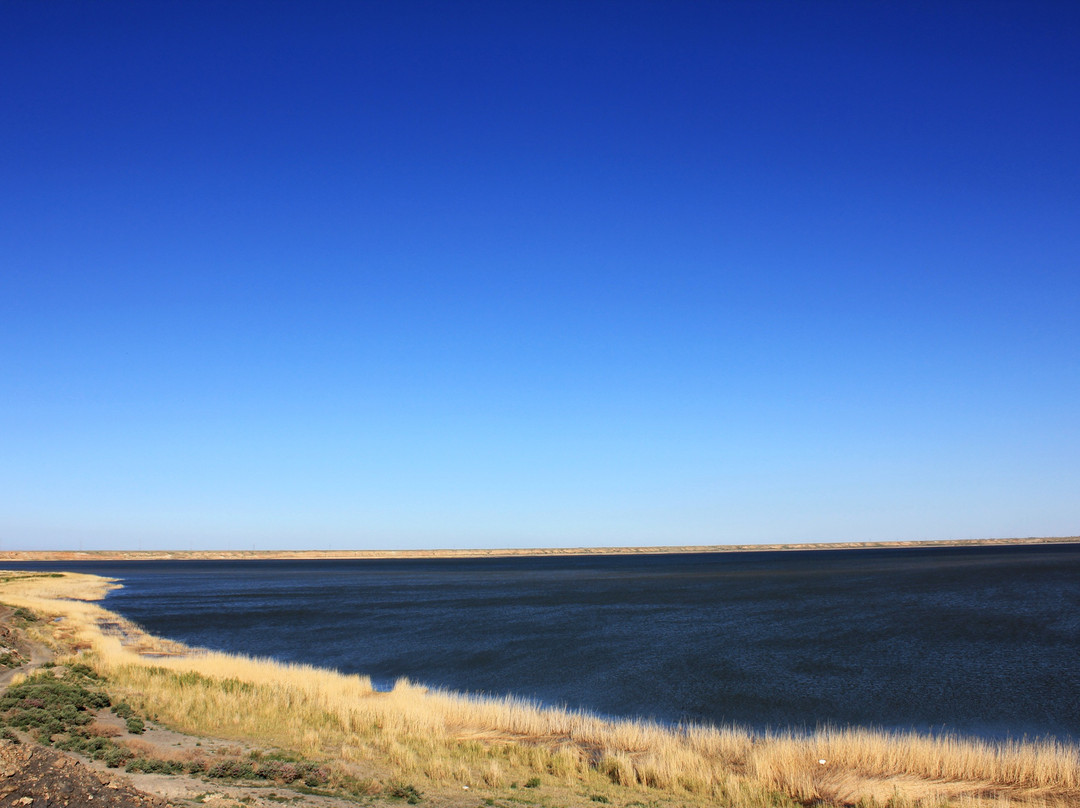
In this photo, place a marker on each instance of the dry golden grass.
(100, 730)
(146, 749)
(448, 739)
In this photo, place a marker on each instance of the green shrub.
(233, 769)
(11, 659)
(45, 690)
(47, 706)
(135, 725)
(115, 757)
(279, 771)
(532, 782)
(71, 743)
(123, 709)
(154, 766)
(77, 670)
(96, 747)
(403, 791)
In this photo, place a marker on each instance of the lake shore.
(299, 555)
(455, 749)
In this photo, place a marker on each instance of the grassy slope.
(443, 742)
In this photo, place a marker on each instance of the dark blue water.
(980, 640)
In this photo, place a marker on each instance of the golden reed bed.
(449, 741)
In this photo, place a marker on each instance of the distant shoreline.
(300, 555)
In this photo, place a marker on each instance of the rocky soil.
(35, 776)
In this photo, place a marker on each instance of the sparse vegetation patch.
(404, 791)
(57, 706)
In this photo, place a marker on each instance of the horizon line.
(195, 555)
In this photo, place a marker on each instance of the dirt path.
(39, 655)
(35, 653)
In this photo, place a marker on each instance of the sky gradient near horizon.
(417, 274)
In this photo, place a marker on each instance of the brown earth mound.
(33, 776)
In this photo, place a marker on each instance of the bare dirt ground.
(36, 776)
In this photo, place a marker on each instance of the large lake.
(979, 640)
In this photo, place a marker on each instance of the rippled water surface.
(980, 639)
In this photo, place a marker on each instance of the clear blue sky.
(411, 274)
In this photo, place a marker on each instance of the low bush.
(123, 709)
(77, 670)
(279, 771)
(403, 791)
(231, 769)
(25, 614)
(11, 659)
(154, 766)
(45, 705)
(115, 757)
